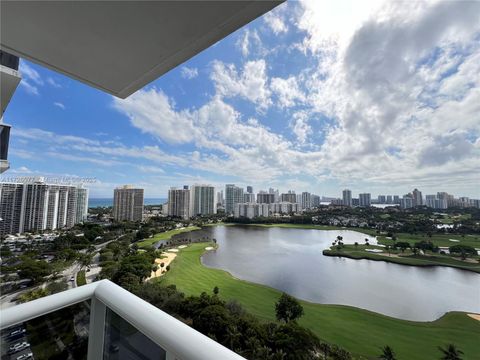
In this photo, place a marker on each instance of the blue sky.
(314, 96)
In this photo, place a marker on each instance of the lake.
(291, 260)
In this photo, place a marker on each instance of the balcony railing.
(175, 340)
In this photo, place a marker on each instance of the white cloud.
(29, 88)
(287, 91)
(300, 126)
(59, 105)
(30, 78)
(275, 22)
(53, 83)
(189, 73)
(30, 73)
(250, 83)
(153, 112)
(249, 42)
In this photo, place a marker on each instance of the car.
(17, 332)
(18, 347)
(24, 356)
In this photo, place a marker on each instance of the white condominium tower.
(365, 199)
(127, 203)
(233, 195)
(306, 200)
(202, 200)
(38, 206)
(179, 202)
(347, 197)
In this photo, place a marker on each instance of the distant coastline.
(106, 202)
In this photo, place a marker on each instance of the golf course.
(359, 331)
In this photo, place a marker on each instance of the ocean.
(105, 202)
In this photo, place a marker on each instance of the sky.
(374, 96)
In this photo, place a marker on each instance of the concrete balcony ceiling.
(119, 46)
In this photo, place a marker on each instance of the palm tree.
(450, 352)
(387, 353)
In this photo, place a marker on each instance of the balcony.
(4, 140)
(122, 326)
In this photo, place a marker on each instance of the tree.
(387, 353)
(450, 352)
(288, 308)
(35, 270)
(325, 348)
(216, 290)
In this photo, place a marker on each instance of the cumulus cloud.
(250, 83)
(249, 42)
(189, 73)
(275, 22)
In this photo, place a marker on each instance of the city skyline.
(268, 106)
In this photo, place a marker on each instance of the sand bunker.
(209, 248)
(475, 316)
(166, 260)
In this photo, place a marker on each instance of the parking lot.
(15, 345)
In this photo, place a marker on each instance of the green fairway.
(164, 236)
(352, 252)
(359, 331)
(443, 240)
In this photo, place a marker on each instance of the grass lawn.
(359, 331)
(408, 258)
(439, 240)
(164, 236)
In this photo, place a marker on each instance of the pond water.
(291, 260)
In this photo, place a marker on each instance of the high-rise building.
(347, 197)
(382, 199)
(389, 199)
(39, 206)
(248, 197)
(430, 201)
(82, 205)
(179, 202)
(407, 201)
(249, 189)
(396, 199)
(202, 200)
(220, 199)
(251, 210)
(128, 203)
(284, 208)
(365, 199)
(233, 195)
(306, 200)
(417, 197)
(443, 200)
(290, 197)
(315, 201)
(265, 198)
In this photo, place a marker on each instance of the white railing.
(180, 341)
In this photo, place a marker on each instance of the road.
(7, 301)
